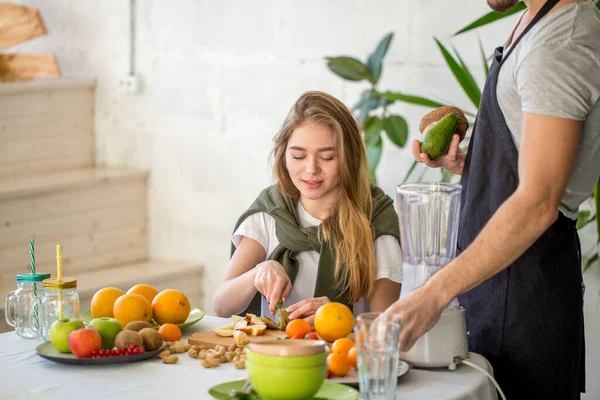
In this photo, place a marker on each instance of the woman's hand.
(307, 308)
(272, 282)
(453, 160)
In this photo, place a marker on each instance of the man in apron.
(534, 157)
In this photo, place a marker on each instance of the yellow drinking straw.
(59, 279)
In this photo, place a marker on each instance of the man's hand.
(307, 308)
(272, 282)
(453, 160)
(419, 311)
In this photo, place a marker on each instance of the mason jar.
(21, 306)
(60, 300)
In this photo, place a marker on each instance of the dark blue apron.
(528, 319)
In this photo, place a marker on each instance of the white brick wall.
(220, 76)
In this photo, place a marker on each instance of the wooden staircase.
(52, 191)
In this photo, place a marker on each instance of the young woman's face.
(312, 162)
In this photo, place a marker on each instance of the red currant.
(94, 353)
(132, 346)
(101, 352)
(142, 350)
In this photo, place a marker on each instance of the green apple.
(108, 328)
(60, 330)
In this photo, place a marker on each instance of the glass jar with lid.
(60, 300)
(21, 306)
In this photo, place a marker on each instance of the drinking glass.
(378, 345)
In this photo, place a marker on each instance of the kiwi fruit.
(439, 113)
(137, 326)
(152, 339)
(126, 338)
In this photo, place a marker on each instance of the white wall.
(219, 78)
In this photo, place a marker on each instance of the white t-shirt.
(261, 227)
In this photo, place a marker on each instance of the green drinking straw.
(35, 306)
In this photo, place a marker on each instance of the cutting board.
(211, 339)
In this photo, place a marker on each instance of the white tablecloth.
(25, 375)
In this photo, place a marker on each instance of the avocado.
(437, 139)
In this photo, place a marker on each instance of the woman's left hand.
(307, 308)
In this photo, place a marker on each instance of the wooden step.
(186, 277)
(97, 215)
(46, 125)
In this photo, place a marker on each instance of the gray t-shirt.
(555, 70)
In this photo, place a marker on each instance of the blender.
(428, 214)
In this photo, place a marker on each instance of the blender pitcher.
(428, 215)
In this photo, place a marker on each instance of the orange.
(170, 306)
(342, 346)
(103, 302)
(149, 292)
(352, 357)
(170, 332)
(132, 307)
(297, 327)
(333, 321)
(338, 364)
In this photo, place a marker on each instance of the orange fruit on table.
(103, 302)
(297, 327)
(352, 357)
(333, 321)
(170, 332)
(149, 292)
(338, 364)
(132, 307)
(342, 346)
(170, 307)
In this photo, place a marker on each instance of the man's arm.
(546, 158)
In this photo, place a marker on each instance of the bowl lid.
(289, 348)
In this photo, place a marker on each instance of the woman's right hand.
(272, 282)
(453, 160)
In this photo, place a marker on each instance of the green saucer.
(329, 391)
(195, 316)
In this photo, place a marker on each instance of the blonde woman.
(323, 232)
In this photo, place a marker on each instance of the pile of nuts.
(211, 357)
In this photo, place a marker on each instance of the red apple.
(84, 341)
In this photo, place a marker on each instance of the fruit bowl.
(195, 316)
(47, 351)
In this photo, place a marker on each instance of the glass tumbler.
(378, 344)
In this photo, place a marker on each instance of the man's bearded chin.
(501, 5)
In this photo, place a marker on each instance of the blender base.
(443, 344)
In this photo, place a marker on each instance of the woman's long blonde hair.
(348, 229)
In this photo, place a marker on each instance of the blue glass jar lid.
(38, 277)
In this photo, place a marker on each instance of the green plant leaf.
(590, 261)
(446, 175)
(374, 154)
(491, 17)
(462, 75)
(369, 105)
(364, 96)
(597, 198)
(486, 67)
(583, 218)
(410, 171)
(396, 128)
(407, 98)
(348, 68)
(372, 130)
(375, 60)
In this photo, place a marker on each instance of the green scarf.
(294, 239)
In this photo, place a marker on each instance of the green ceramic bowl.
(286, 383)
(287, 370)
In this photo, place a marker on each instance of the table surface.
(25, 375)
